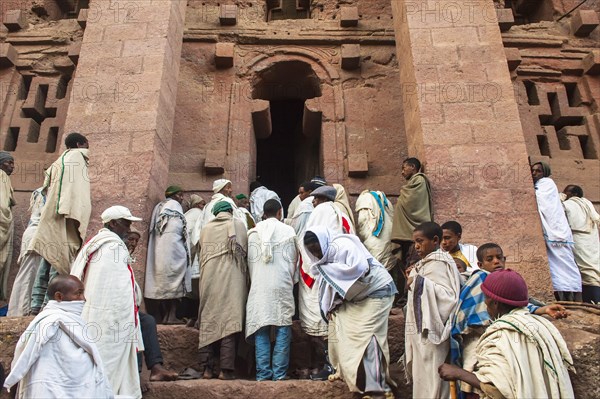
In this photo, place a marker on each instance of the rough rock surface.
(178, 343)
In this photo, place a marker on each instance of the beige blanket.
(414, 207)
(223, 278)
(65, 217)
(6, 231)
(372, 221)
(523, 356)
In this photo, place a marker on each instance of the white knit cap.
(218, 185)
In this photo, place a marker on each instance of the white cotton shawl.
(258, 197)
(554, 221)
(56, 358)
(344, 261)
(374, 227)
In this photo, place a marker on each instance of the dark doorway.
(287, 157)
(291, 154)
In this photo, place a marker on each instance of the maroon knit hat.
(506, 286)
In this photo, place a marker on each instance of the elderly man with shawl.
(7, 201)
(168, 265)
(374, 228)
(29, 261)
(259, 195)
(103, 264)
(520, 355)
(272, 262)
(566, 278)
(65, 217)
(414, 205)
(223, 289)
(356, 294)
(584, 220)
(55, 358)
(222, 189)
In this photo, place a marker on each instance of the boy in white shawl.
(520, 355)
(272, 264)
(434, 287)
(103, 264)
(356, 294)
(54, 357)
(168, 262)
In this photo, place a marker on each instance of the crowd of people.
(241, 268)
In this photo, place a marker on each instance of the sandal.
(189, 374)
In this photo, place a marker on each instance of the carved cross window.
(287, 9)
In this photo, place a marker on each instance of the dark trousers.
(152, 353)
(226, 349)
(591, 293)
(567, 296)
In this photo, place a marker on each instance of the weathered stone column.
(123, 100)
(462, 120)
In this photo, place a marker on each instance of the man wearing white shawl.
(29, 261)
(343, 203)
(434, 287)
(54, 358)
(272, 264)
(520, 355)
(374, 228)
(7, 201)
(356, 294)
(566, 278)
(103, 266)
(223, 289)
(168, 264)
(222, 189)
(192, 217)
(65, 217)
(259, 194)
(584, 220)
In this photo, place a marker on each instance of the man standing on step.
(65, 217)
(7, 166)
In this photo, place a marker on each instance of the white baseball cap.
(118, 212)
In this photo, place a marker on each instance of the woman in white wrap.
(356, 294)
(565, 275)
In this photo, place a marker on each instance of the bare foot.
(159, 373)
(226, 375)
(208, 374)
(144, 386)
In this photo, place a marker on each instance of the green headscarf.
(545, 168)
(221, 206)
(240, 196)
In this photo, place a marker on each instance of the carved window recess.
(287, 9)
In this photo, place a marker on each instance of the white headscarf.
(219, 184)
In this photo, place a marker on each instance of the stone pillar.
(123, 100)
(462, 120)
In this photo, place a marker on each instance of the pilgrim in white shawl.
(29, 261)
(303, 209)
(272, 265)
(168, 263)
(324, 214)
(65, 217)
(103, 264)
(223, 289)
(343, 203)
(584, 220)
(520, 355)
(54, 358)
(7, 201)
(317, 181)
(374, 228)
(193, 217)
(356, 294)
(452, 234)
(222, 189)
(566, 278)
(259, 194)
(243, 204)
(434, 287)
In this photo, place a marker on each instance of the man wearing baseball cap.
(520, 355)
(103, 267)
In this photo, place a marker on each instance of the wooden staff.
(453, 391)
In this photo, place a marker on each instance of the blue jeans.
(281, 353)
